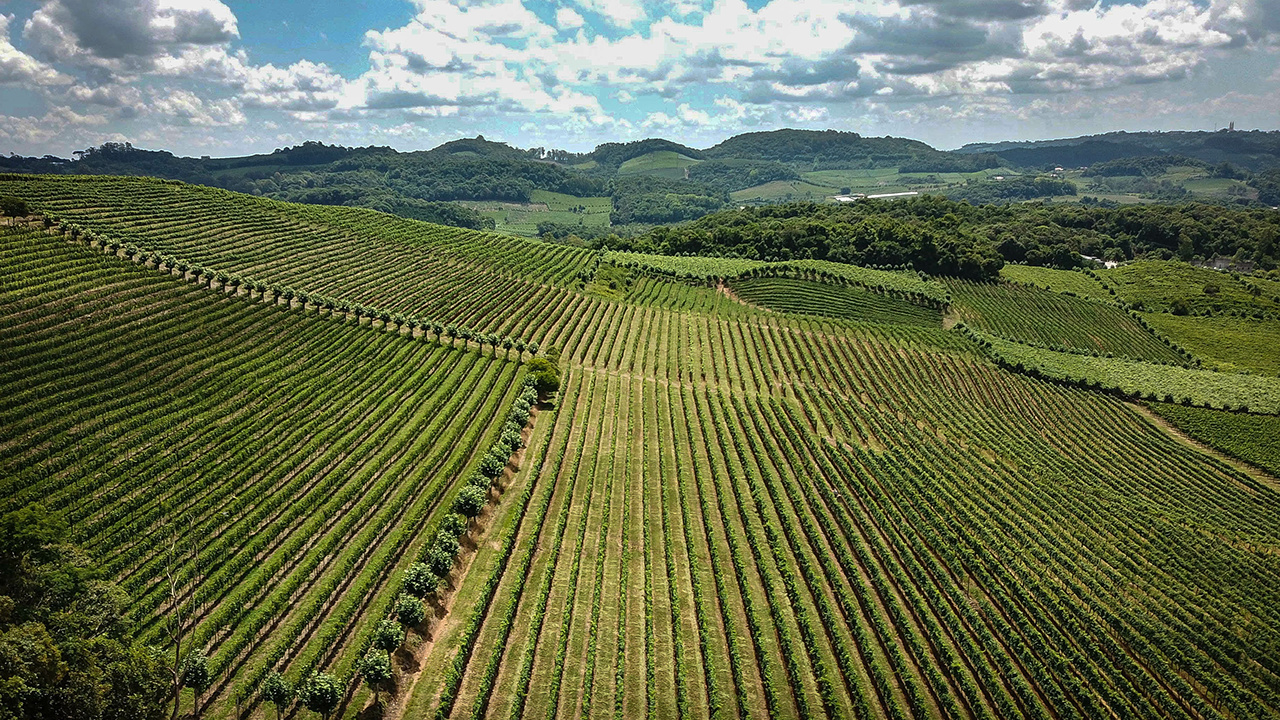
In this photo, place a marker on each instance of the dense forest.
(1254, 150)
(65, 650)
(945, 237)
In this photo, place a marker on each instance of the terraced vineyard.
(852, 303)
(283, 464)
(1029, 314)
(728, 512)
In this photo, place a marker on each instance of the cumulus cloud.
(183, 107)
(126, 36)
(20, 68)
(688, 66)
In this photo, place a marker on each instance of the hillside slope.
(731, 512)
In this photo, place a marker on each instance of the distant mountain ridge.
(650, 181)
(1251, 149)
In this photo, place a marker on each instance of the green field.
(545, 206)
(783, 191)
(1062, 281)
(725, 511)
(663, 163)
(1252, 438)
(1056, 321)
(1201, 388)
(1161, 286)
(1229, 344)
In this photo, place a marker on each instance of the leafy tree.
(277, 691)
(13, 207)
(410, 611)
(387, 636)
(321, 693)
(545, 374)
(375, 668)
(440, 560)
(470, 501)
(453, 525)
(197, 676)
(64, 642)
(419, 581)
(491, 465)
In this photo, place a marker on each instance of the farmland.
(775, 490)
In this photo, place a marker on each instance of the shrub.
(491, 465)
(410, 611)
(419, 581)
(321, 693)
(387, 636)
(440, 560)
(470, 501)
(276, 690)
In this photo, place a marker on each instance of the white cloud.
(183, 107)
(619, 13)
(19, 67)
(569, 19)
(122, 37)
(56, 123)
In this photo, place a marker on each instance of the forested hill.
(469, 181)
(1254, 149)
(944, 237)
(832, 149)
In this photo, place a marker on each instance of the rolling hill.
(630, 485)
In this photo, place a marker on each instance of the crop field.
(852, 303)
(784, 190)
(663, 163)
(1204, 388)
(841, 510)
(1252, 438)
(1154, 285)
(1062, 281)
(1061, 322)
(283, 465)
(1229, 344)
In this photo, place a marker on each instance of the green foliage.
(1203, 388)
(196, 673)
(13, 207)
(1223, 342)
(545, 374)
(1254, 439)
(814, 149)
(648, 199)
(387, 636)
(65, 651)
(1187, 290)
(838, 233)
(440, 560)
(470, 501)
(410, 611)
(730, 175)
(852, 303)
(321, 693)
(277, 691)
(1060, 321)
(419, 580)
(1012, 189)
(374, 668)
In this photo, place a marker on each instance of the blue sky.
(230, 77)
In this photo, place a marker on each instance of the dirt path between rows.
(408, 662)
(1244, 467)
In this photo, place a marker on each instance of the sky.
(234, 77)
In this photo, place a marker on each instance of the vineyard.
(765, 490)
(1062, 322)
